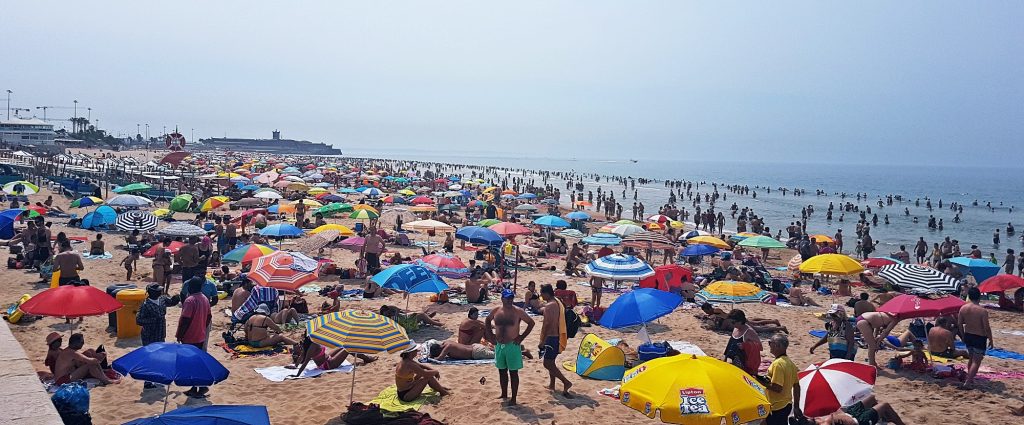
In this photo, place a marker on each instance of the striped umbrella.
(214, 202)
(834, 384)
(358, 332)
(693, 234)
(624, 230)
(603, 239)
(727, 291)
(649, 240)
(619, 267)
(659, 218)
(919, 278)
(23, 188)
(427, 225)
(363, 215)
(182, 229)
(247, 253)
(446, 265)
(276, 270)
(136, 220)
(371, 191)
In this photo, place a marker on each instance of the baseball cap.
(508, 293)
(53, 336)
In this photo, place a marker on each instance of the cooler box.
(132, 299)
(112, 290)
(650, 352)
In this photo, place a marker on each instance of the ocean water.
(949, 183)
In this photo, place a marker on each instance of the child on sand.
(129, 263)
(918, 361)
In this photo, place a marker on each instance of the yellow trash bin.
(132, 299)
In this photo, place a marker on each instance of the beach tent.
(7, 219)
(598, 359)
(103, 216)
(667, 276)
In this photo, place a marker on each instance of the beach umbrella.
(623, 230)
(314, 243)
(980, 269)
(919, 278)
(698, 250)
(281, 230)
(659, 218)
(427, 225)
(132, 188)
(506, 229)
(410, 278)
(527, 196)
(525, 208)
(743, 235)
(354, 244)
(694, 390)
(128, 201)
(831, 264)
(602, 239)
(708, 240)
(342, 230)
(247, 253)
(171, 363)
(330, 197)
(476, 203)
(761, 242)
(333, 208)
(214, 202)
(487, 222)
(582, 203)
(639, 306)
(24, 188)
(877, 262)
(210, 415)
(834, 384)
(248, 202)
(619, 267)
(70, 301)
(363, 214)
(727, 291)
(551, 221)
(371, 191)
(181, 203)
(136, 220)
(648, 240)
(181, 229)
(316, 191)
(86, 201)
(248, 187)
(693, 234)
(420, 200)
(266, 194)
(408, 192)
(577, 215)
(423, 208)
(572, 233)
(365, 207)
(172, 248)
(794, 263)
(479, 235)
(358, 332)
(822, 239)
(908, 306)
(445, 265)
(1001, 283)
(7, 219)
(283, 270)
(625, 221)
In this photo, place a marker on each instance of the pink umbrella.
(907, 306)
(421, 200)
(506, 229)
(353, 244)
(1001, 283)
(833, 384)
(446, 265)
(267, 177)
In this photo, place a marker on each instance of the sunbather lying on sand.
(324, 359)
(396, 313)
(719, 320)
(259, 327)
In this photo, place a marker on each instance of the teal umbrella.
(761, 242)
(134, 187)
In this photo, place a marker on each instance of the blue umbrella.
(551, 221)
(638, 307)
(348, 190)
(410, 278)
(332, 198)
(250, 187)
(602, 239)
(209, 415)
(7, 219)
(281, 230)
(169, 363)
(619, 267)
(479, 235)
(980, 269)
(273, 208)
(697, 250)
(101, 217)
(526, 196)
(578, 215)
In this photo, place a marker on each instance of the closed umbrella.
(171, 363)
(638, 307)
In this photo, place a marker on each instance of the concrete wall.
(23, 400)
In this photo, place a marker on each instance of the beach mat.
(281, 373)
(241, 351)
(105, 256)
(997, 353)
(389, 402)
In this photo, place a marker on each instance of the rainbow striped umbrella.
(247, 253)
(86, 201)
(364, 215)
(280, 270)
(214, 202)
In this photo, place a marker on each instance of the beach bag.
(363, 414)
(572, 323)
(71, 398)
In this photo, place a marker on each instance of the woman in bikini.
(323, 358)
(874, 327)
(258, 330)
(531, 299)
(411, 377)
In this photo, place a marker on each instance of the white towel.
(281, 373)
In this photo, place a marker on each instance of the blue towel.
(818, 334)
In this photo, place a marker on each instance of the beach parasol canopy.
(128, 201)
(638, 307)
(214, 202)
(551, 221)
(281, 230)
(822, 239)
(479, 235)
(364, 214)
(624, 230)
(86, 201)
(877, 262)
(1001, 283)
(248, 202)
(410, 278)
(172, 248)
(648, 240)
(698, 250)
(908, 306)
(602, 239)
(506, 229)
(708, 240)
(136, 220)
(445, 265)
(70, 301)
(333, 208)
(427, 225)
(7, 219)
(342, 230)
(833, 384)
(694, 390)
(171, 363)
(619, 267)
(693, 234)
(980, 269)
(132, 188)
(831, 264)
(577, 215)
(20, 187)
(919, 278)
(761, 242)
(181, 203)
(247, 253)
(572, 233)
(182, 229)
(279, 270)
(488, 222)
(727, 291)
(525, 208)
(210, 415)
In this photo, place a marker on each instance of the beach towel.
(563, 334)
(389, 402)
(105, 256)
(1017, 333)
(997, 353)
(241, 351)
(310, 288)
(281, 373)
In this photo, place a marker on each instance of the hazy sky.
(907, 81)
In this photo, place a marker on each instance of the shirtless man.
(874, 327)
(458, 351)
(240, 295)
(867, 411)
(720, 321)
(550, 338)
(862, 305)
(471, 330)
(884, 297)
(941, 340)
(973, 327)
(476, 286)
(797, 296)
(507, 320)
(72, 365)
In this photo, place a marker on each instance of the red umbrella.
(446, 265)
(667, 276)
(506, 229)
(1001, 283)
(877, 262)
(173, 248)
(252, 212)
(275, 271)
(421, 200)
(71, 301)
(907, 306)
(833, 384)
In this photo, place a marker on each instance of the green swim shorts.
(508, 356)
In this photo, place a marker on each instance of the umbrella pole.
(352, 391)
(167, 393)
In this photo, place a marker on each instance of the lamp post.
(9, 93)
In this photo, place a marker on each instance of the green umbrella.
(333, 208)
(134, 187)
(487, 222)
(180, 203)
(364, 215)
(761, 242)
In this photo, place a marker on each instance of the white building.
(27, 132)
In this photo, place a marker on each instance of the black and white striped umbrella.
(136, 220)
(181, 228)
(919, 278)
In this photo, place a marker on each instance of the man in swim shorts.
(502, 327)
(551, 337)
(973, 327)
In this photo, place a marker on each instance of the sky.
(910, 82)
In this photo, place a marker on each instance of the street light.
(9, 92)
(76, 108)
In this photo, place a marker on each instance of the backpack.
(363, 414)
(71, 398)
(572, 323)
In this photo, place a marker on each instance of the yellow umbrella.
(342, 230)
(316, 191)
(359, 207)
(214, 202)
(298, 187)
(822, 239)
(407, 192)
(709, 240)
(309, 203)
(422, 208)
(733, 288)
(676, 224)
(162, 212)
(836, 264)
(694, 390)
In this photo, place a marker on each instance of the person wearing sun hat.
(412, 377)
(838, 334)
(53, 345)
(502, 328)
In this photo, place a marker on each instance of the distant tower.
(277, 135)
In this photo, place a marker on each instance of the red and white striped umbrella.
(659, 218)
(275, 270)
(833, 384)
